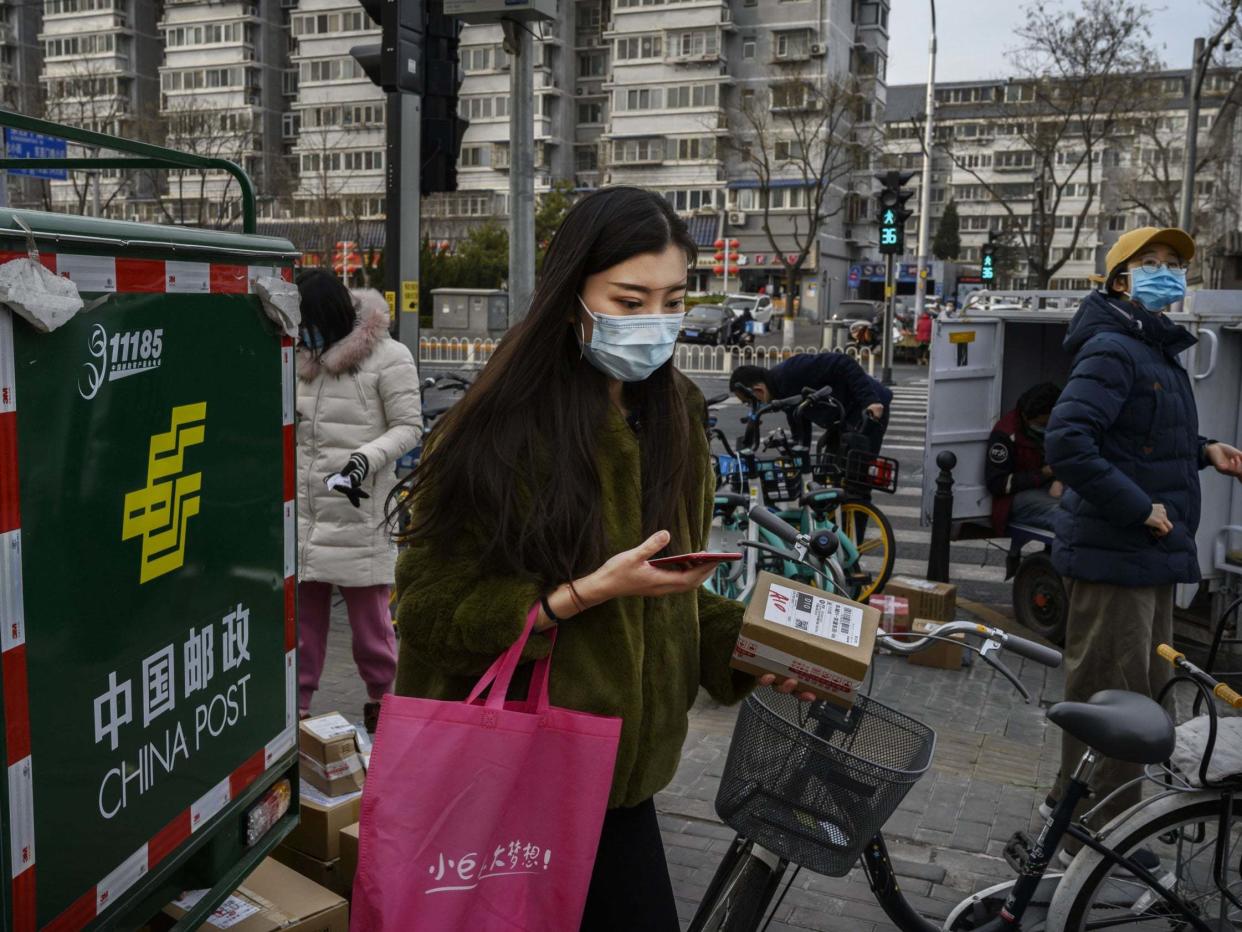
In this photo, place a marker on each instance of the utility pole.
(920, 280)
(1198, 68)
(401, 224)
(519, 45)
(893, 216)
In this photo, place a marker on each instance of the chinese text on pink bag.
(482, 815)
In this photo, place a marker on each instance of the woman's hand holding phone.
(629, 573)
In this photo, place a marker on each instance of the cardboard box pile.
(333, 767)
(946, 655)
(823, 641)
(272, 899)
(894, 612)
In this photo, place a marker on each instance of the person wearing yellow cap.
(1124, 439)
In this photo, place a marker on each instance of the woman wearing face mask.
(578, 455)
(1124, 440)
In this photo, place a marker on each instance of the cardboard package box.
(272, 899)
(823, 641)
(349, 853)
(946, 655)
(328, 755)
(322, 818)
(931, 600)
(326, 874)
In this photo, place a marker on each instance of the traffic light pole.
(920, 280)
(521, 48)
(890, 289)
(401, 233)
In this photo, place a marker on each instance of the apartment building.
(223, 95)
(982, 163)
(99, 71)
(338, 114)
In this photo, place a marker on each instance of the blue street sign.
(855, 276)
(22, 144)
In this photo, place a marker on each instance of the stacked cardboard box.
(934, 601)
(332, 771)
(945, 655)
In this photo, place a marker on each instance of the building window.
(695, 148)
(787, 149)
(794, 45)
(591, 64)
(696, 44)
(500, 155)
(687, 96)
(586, 158)
(590, 112)
(693, 199)
(637, 151)
(289, 123)
(472, 157)
(748, 49)
(788, 96)
(636, 48)
(474, 60)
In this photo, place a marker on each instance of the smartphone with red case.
(685, 561)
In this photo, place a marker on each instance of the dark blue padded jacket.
(1124, 436)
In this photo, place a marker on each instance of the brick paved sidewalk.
(995, 757)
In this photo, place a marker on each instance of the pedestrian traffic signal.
(893, 212)
(396, 63)
(987, 263)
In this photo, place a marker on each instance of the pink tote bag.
(482, 815)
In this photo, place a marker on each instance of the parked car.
(708, 323)
(759, 305)
(871, 311)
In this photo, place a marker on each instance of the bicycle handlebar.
(1031, 650)
(1221, 691)
(774, 524)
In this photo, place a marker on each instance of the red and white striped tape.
(155, 276)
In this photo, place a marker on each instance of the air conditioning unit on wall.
(736, 218)
(818, 50)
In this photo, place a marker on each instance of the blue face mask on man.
(630, 347)
(1157, 289)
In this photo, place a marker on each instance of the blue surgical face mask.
(311, 338)
(630, 347)
(1157, 290)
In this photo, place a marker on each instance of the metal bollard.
(942, 519)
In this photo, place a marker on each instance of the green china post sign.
(154, 473)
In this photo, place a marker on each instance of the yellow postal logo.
(159, 512)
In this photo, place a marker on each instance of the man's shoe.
(370, 716)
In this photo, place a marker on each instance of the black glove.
(349, 480)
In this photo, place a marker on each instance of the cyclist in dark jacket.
(854, 389)
(1124, 438)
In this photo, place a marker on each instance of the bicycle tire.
(1080, 886)
(846, 516)
(743, 898)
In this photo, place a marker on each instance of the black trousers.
(630, 887)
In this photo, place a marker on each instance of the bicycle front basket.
(814, 792)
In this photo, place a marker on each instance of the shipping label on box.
(894, 612)
(822, 640)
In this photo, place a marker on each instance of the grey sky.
(973, 36)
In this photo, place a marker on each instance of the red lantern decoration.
(719, 256)
(733, 244)
(733, 256)
(719, 244)
(718, 269)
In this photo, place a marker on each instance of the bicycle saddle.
(1119, 724)
(731, 500)
(820, 497)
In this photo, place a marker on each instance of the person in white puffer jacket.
(358, 410)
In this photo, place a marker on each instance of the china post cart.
(147, 578)
(983, 359)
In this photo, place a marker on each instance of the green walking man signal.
(893, 213)
(987, 263)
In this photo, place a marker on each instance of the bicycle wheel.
(743, 898)
(869, 530)
(1182, 831)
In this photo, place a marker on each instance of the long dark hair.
(326, 305)
(516, 456)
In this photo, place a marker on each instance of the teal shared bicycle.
(825, 496)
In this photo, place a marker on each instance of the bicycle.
(829, 490)
(810, 785)
(813, 787)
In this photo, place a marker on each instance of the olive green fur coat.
(641, 659)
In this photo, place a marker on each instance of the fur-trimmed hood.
(369, 329)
